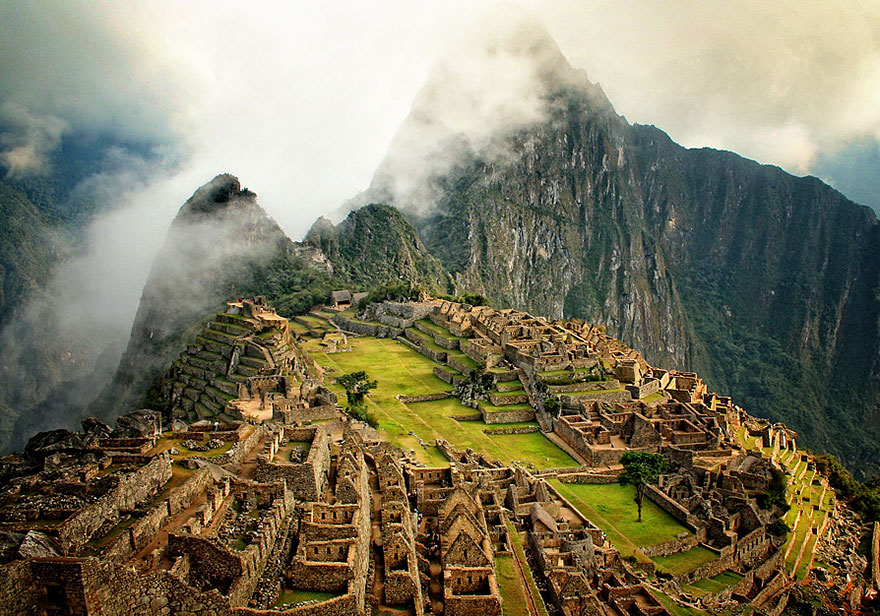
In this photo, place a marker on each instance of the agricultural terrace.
(810, 499)
(400, 370)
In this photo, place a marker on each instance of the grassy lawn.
(462, 358)
(448, 407)
(491, 408)
(511, 587)
(509, 385)
(677, 610)
(519, 554)
(401, 370)
(719, 582)
(298, 596)
(441, 331)
(552, 373)
(508, 393)
(533, 447)
(428, 341)
(682, 562)
(612, 509)
(313, 320)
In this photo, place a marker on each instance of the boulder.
(38, 545)
(55, 441)
(96, 427)
(32, 544)
(143, 423)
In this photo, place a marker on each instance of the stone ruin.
(221, 516)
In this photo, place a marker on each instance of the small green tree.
(357, 385)
(552, 405)
(641, 468)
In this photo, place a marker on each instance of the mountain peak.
(217, 195)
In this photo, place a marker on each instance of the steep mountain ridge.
(764, 282)
(375, 245)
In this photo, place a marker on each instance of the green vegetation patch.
(440, 331)
(611, 508)
(400, 370)
(519, 554)
(719, 582)
(510, 585)
(299, 596)
(507, 394)
(491, 408)
(534, 447)
(682, 562)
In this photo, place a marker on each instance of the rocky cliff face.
(764, 282)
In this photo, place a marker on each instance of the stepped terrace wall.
(239, 450)
(345, 605)
(144, 530)
(502, 416)
(289, 413)
(366, 329)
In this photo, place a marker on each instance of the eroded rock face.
(52, 442)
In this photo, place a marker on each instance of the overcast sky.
(301, 99)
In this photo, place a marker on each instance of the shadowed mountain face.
(764, 282)
(376, 245)
(221, 246)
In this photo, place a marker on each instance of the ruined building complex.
(253, 493)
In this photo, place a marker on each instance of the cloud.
(780, 82)
(29, 140)
(854, 169)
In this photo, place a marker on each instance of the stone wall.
(710, 569)
(133, 488)
(671, 507)
(182, 497)
(305, 415)
(674, 546)
(425, 398)
(592, 478)
(345, 605)
(644, 390)
(462, 367)
(520, 430)
(80, 586)
(448, 377)
(18, 589)
(497, 417)
(365, 329)
(501, 399)
(239, 450)
(605, 396)
(773, 589)
(583, 386)
(307, 479)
